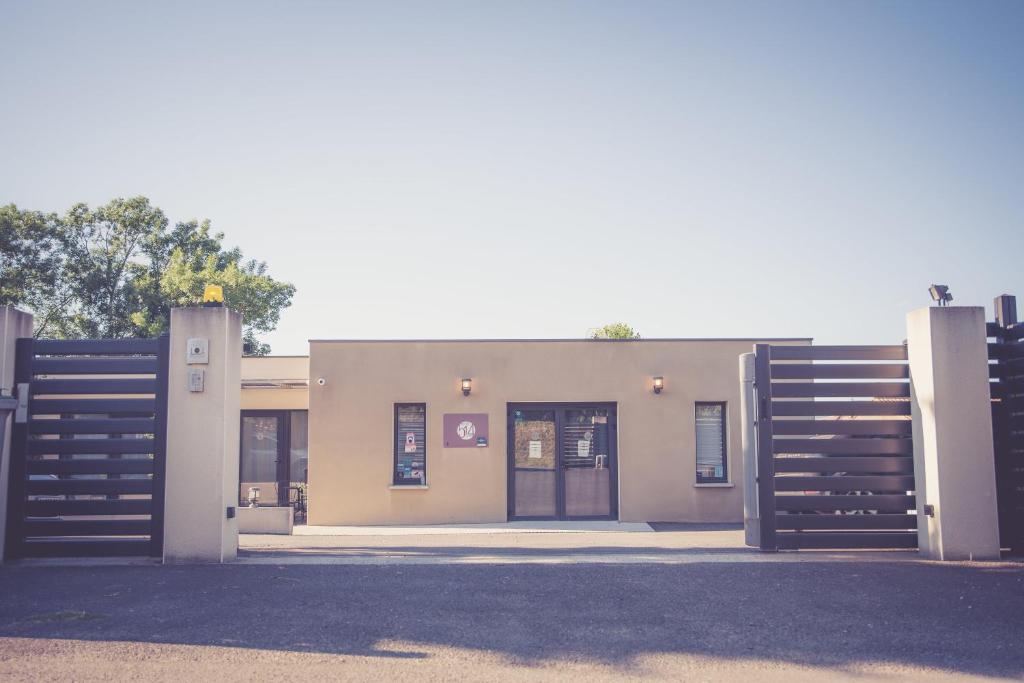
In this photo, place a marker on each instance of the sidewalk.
(493, 528)
(526, 543)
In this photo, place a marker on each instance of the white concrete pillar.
(202, 436)
(954, 468)
(748, 440)
(13, 324)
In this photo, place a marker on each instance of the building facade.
(274, 455)
(427, 432)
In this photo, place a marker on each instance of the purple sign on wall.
(465, 430)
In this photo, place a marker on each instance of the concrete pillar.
(954, 460)
(13, 324)
(201, 490)
(748, 440)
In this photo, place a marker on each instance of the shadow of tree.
(827, 614)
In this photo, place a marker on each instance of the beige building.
(274, 421)
(422, 432)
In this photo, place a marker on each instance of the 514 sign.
(465, 430)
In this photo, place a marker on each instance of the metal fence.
(1006, 370)
(834, 452)
(87, 456)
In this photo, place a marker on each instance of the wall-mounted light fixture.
(659, 384)
(467, 386)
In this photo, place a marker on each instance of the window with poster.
(410, 444)
(710, 427)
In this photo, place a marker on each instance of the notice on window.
(535, 450)
(410, 442)
(583, 448)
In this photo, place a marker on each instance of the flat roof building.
(463, 431)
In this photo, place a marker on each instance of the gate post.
(952, 426)
(765, 449)
(748, 439)
(203, 400)
(14, 324)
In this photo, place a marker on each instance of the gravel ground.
(714, 620)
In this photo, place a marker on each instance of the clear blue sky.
(533, 169)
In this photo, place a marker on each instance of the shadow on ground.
(965, 619)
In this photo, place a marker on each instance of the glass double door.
(562, 461)
(273, 455)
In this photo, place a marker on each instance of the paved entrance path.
(706, 618)
(547, 543)
(543, 527)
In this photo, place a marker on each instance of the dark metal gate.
(87, 451)
(835, 462)
(1006, 369)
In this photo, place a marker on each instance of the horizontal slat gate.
(87, 465)
(1006, 356)
(835, 456)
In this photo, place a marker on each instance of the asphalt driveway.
(707, 620)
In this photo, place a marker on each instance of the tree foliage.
(615, 331)
(31, 253)
(117, 270)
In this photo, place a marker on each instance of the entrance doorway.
(562, 461)
(274, 457)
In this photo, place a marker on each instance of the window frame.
(286, 415)
(292, 412)
(282, 433)
(699, 478)
(394, 446)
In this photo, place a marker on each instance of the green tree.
(116, 271)
(615, 331)
(32, 249)
(106, 252)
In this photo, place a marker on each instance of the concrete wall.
(202, 439)
(954, 460)
(351, 423)
(13, 324)
(265, 520)
(285, 372)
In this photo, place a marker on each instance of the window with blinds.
(710, 427)
(410, 444)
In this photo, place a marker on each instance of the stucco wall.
(953, 448)
(275, 369)
(352, 414)
(202, 439)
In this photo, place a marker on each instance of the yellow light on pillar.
(659, 384)
(467, 386)
(213, 295)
